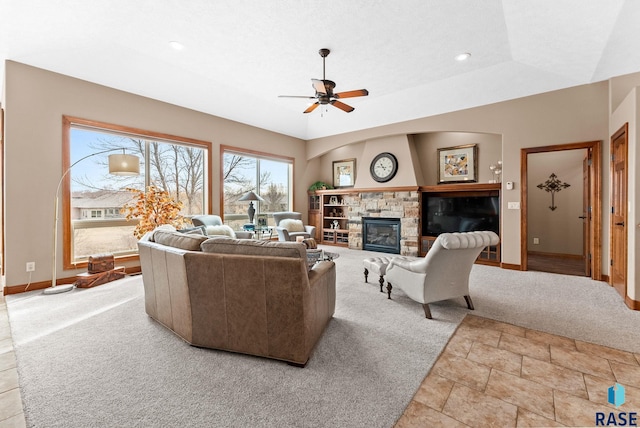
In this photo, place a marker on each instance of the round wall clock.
(384, 167)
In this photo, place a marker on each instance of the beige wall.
(36, 100)
(427, 145)
(572, 115)
(560, 230)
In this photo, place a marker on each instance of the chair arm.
(417, 266)
(311, 230)
(283, 234)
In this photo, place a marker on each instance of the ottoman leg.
(389, 287)
(381, 280)
(366, 274)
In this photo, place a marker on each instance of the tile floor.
(493, 374)
(490, 374)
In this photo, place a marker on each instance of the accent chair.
(444, 272)
(289, 226)
(214, 226)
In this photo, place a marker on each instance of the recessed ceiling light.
(463, 56)
(176, 45)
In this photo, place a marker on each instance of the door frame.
(595, 191)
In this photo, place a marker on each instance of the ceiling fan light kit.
(324, 91)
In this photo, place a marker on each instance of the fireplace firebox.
(381, 234)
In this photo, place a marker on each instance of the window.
(269, 176)
(93, 222)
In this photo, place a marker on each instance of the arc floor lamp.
(119, 164)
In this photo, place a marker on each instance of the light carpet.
(92, 357)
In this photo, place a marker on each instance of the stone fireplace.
(403, 207)
(381, 234)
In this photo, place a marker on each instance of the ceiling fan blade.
(342, 106)
(351, 94)
(318, 85)
(312, 107)
(297, 96)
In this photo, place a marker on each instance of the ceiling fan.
(324, 91)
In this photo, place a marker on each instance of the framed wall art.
(458, 164)
(344, 173)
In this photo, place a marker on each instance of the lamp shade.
(251, 196)
(123, 164)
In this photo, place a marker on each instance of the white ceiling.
(240, 55)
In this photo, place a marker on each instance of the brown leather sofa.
(248, 296)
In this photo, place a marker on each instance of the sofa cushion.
(292, 225)
(222, 229)
(252, 247)
(176, 239)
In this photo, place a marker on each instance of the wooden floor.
(554, 264)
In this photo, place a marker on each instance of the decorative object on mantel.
(458, 164)
(320, 185)
(496, 169)
(344, 173)
(553, 185)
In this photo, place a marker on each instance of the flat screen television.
(442, 214)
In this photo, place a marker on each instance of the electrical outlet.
(513, 205)
(536, 241)
(31, 266)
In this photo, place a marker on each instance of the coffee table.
(316, 255)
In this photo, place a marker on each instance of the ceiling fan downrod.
(324, 52)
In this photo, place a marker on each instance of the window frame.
(257, 154)
(70, 121)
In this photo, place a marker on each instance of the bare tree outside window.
(97, 197)
(270, 178)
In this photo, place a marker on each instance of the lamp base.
(58, 289)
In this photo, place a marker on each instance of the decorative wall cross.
(553, 185)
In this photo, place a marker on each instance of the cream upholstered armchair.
(444, 272)
(213, 225)
(289, 226)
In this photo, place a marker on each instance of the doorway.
(575, 256)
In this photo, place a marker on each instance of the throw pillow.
(292, 225)
(310, 243)
(221, 230)
(198, 230)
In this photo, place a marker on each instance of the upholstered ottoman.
(377, 265)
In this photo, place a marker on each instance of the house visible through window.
(269, 176)
(94, 223)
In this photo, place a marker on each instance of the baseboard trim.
(21, 288)
(556, 255)
(632, 304)
(510, 266)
